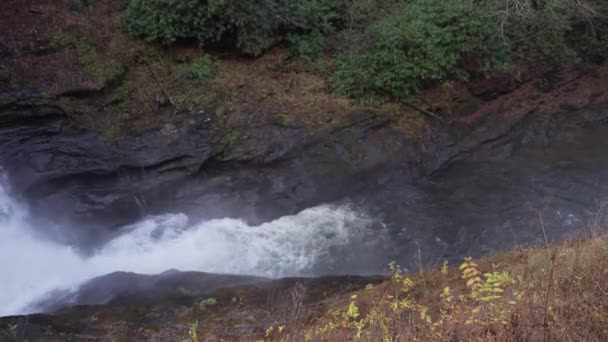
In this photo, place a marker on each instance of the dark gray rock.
(123, 288)
(78, 179)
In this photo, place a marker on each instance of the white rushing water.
(31, 266)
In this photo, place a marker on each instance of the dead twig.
(423, 111)
(257, 110)
(551, 273)
(187, 96)
(24, 330)
(548, 296)
(162, 87)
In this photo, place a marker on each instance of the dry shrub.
(558, 292)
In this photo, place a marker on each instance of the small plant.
(486, 295)
(109, 134)
(238, 301)
(77, 5)
(420, 41)
(192, 333)
(205, 303)
(308, 46)
(444, 268)
(13, 330)
(201, 68)
(471, 274)
(271, 331)
(487, 302)
(352, 312)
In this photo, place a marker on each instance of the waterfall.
(32, 266)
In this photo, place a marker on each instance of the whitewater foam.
(31, 266)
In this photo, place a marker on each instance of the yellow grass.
(553, 293)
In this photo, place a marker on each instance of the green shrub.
(201, 68)
(385, 49)
(422, 40)
(541, 29)
(251, 25)
(375, 76)
(590, 42)
(589, 36)
(77, 5)
(314, 24)
(309, 45)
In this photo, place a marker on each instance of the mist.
(297, 245)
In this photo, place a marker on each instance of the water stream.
(289, 246)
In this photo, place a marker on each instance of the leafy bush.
(308, 45)
(77, 5)
(386, 49)
(315, 22)
(591, 42)
(541, 29)
(201, 68)
(422, 40)
(589, 36)
(251, 25)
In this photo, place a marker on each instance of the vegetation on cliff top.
(389, 49)
(374, 52)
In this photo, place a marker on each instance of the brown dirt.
(570, 89)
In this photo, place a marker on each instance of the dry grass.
(554, 293)
(551, 293)
(558, 292)
(275, 86)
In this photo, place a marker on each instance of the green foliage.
(590, 40)
(109, 134)
(164, 21)
(394, 50)
(422, 40)
(385, 49)
(486, 301)
(272, 332)
(97, 66)
(13, 329)
(205, 303)
(309, 45)
(540, 29)
(352, 312)
(77, 5)
(314, 23)
(557, 30)
(445, 268)
(192, 333)
(251, 25)
(201, 68)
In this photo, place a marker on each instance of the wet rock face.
(122, 288)
(78, 178)
(435, 195)
(217, 301)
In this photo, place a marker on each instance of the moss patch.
(101, 68)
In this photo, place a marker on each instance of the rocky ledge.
(78, 177)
